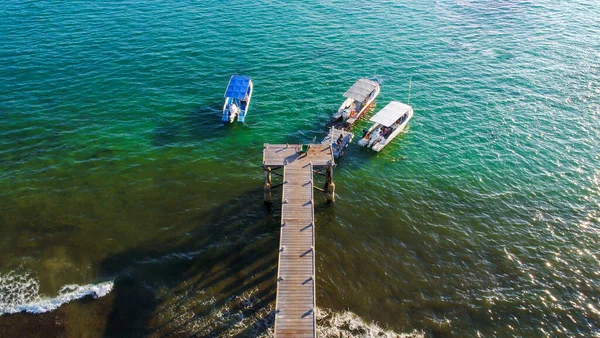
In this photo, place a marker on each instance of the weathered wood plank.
(295, 302)
(283, 154)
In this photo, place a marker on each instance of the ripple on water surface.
(482, 218)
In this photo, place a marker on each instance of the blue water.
(481, 219)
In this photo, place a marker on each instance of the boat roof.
(390, 113)
(361, 89)
(237, 87)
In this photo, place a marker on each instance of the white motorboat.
(237, 99)
(389, 122)
(358, 98)
(339, 140)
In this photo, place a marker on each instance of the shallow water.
(481, 219)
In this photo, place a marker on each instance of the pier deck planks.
(296, 302)
(295, 305)
(277, 155)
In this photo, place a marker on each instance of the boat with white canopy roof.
(237, 98)
(358, 98)
(389, 122)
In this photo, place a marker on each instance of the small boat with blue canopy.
(237, 98)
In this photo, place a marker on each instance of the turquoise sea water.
(482, 219)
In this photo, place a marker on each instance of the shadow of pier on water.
(215, 279)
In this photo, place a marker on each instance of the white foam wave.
(19, 292)
(348, 324)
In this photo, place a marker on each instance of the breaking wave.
(19, 292)
(348, 324)
(246, 315)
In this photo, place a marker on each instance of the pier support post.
(330, 186)
(267, 188)
(331, 192)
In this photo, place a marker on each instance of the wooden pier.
(295, 305)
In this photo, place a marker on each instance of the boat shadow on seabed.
(198, 124)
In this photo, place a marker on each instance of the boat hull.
(332, 137)
(242, 116)
(351, 120)
(376, 145)
(243, 106)
(337, 118)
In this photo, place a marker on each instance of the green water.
(483, 218)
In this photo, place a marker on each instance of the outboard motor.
(345, 114)
(234, 111)
(374, 137)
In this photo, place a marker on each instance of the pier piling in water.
(329, 185)
(267, 186)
